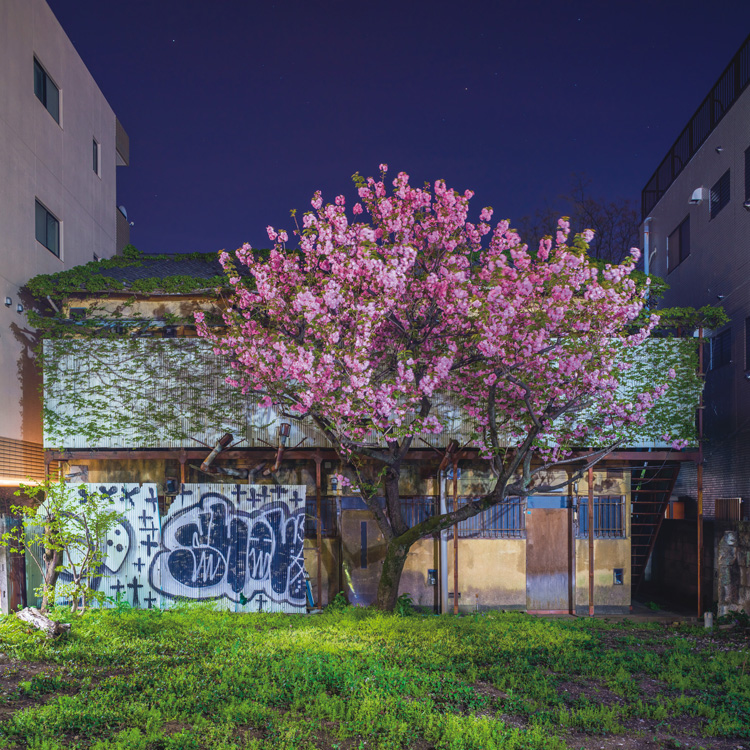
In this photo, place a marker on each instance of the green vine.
(92, 278)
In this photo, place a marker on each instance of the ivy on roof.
(93, 278)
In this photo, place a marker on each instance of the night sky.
(238, 110)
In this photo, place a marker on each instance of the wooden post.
(455, 538)
(319, 530)
(699, 473)
(591, 540)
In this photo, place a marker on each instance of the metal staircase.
(651, 487)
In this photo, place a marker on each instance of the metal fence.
(609, 517)
(732, 82)
(506, 520)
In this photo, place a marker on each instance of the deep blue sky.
(238, 110)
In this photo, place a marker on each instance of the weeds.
(191, 677)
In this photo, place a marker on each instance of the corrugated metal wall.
(237, 546)
(176, 396)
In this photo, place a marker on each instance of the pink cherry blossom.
(371, 324)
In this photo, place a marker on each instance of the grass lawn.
(354, 680)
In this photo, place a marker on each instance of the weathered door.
(547, 555)
(363, 550)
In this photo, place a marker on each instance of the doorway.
(548, 555)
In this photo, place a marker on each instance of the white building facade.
(60, 145)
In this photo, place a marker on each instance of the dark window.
(95, 154)
(609, 517)
(678, 244)
(327, 517)
(720, 194)
(747, 174)
(618, 576)
(47, 229)
(721, 349)
(46, 91)
(747, 344)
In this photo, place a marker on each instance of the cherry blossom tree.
(373, 319)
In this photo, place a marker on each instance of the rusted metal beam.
(122, 454)
(591, 540)
(89, 454)
(699, 474)
(455, 537)
(318, 529)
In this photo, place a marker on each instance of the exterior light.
(284, 429)
(19, 307)
(8, 301)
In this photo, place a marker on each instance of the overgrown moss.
(92, 278)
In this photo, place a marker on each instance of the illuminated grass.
(195, 678)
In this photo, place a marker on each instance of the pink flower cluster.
(370, 321)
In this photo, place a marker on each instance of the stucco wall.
(492, 572)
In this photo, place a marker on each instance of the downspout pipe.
(443, 548)
(647, 244)
(450, 450)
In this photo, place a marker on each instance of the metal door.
(548, 555)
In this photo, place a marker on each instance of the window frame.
(96, 157)
(607, 508)
(680, 233)
(721, 349)
(38, 205)
(720, 194)
(42, 92)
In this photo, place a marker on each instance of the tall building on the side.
(60, 146)
(696, 224)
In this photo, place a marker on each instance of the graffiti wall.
(240, 546)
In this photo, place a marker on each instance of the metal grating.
(506, 520)
(21, 459)
(609, 517)
(728, 509)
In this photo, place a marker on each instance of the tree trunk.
(34, 617)
(390, 577)
(52, 561)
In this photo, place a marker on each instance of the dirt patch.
(680, 733)
(13, 698)
(173, 727)
(590, 690)
(488, 690)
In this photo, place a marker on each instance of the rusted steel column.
(699, 477)
(318, 530)
(183, 460)
(455, 538)
(591, 540)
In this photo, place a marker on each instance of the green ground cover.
(356, 679)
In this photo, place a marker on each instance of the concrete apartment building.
(696, 224)
(60, 145)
